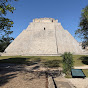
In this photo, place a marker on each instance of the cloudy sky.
(68, 13)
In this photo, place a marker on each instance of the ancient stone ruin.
(44, 36)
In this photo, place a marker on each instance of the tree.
(67, 62)
(5, 23)
(4, 42)
(82, 32)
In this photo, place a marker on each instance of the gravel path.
(81, 67)
(62, 82)
(11, 77)
(79, 82)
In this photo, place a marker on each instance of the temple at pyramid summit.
(44, 36)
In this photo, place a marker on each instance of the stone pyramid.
(44, 36)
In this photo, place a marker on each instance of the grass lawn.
(47, 61)
(80, 60)
(85, 72)
(50, 61)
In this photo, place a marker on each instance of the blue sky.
(68, 12)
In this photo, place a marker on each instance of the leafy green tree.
(5, 23)
(67, 62)
(4, 42)
(82, 32)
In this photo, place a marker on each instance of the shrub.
(67, 62)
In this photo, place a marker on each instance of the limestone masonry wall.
(44, 36)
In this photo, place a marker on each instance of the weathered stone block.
(44, 36)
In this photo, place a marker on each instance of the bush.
(67, 62)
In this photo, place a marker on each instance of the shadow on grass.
(84, 59)
(52, 63)
(19, 60)
(36, 59)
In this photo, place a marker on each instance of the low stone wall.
(50, 83)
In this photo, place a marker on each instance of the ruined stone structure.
(44, 36)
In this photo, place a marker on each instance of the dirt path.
(13, 76)
(79, 82)
(81, 67)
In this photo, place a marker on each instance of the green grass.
(85, 72)
(52, 63)
(49, 61)
(68, 76)
(80, 60)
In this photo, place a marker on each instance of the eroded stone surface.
(44, 36)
